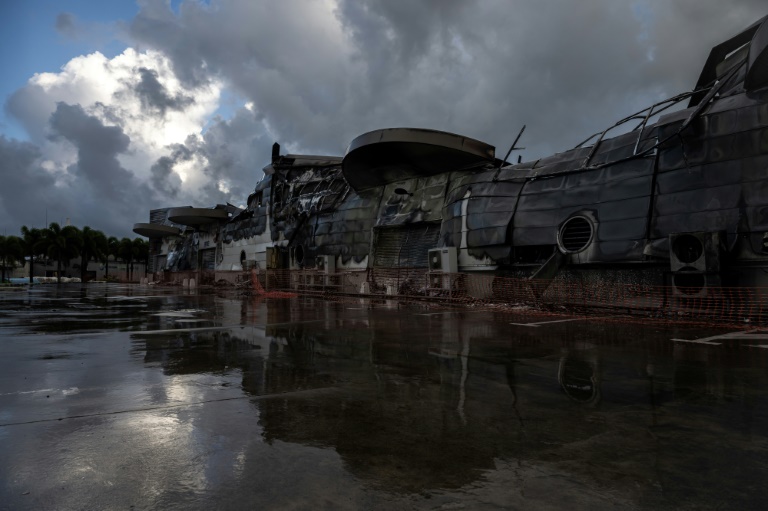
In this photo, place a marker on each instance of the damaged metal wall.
(478, 211)
(408, 221)
(715, 177)
(182, 253)
(404, 191)
(614, 198)
(252, 221)
(174, 253)
(347, 231)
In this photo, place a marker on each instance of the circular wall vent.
(575, 235)
(687, 248)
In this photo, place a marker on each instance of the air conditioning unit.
(696, 251)
(443, 260)
(326, 263)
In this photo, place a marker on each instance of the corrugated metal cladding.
(715, 179)
(347, 231)
(405, 246)
(158, 216)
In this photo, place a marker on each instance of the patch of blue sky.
(176, 4)
(643, 12)
(229, 103)
(30, 43)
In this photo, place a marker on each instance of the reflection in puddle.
(409, 402)
(439, 401)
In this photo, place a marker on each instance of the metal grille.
(575, 234)
(208, 259)
(405, 246)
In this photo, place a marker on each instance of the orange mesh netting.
(741, 306)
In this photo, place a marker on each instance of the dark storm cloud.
(163, 178)
(153, 94)
(95, 190)
(235, 150)
(482, 69)
(65, 24)
(32, 195)
(31, 107)
(97, 149)
(232, 147)
(26, 187)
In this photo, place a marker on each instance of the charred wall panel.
(616, 197)
(346, 232)
(712, 175)
(478, 209)
(299, 194)
(413, 200)
(253, 220)
(182, 254)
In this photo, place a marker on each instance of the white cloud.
(160, 149)
(106, 89)
(137, 92)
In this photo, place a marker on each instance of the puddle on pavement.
(358, 404)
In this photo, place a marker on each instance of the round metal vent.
(575, 235)
(687, 248)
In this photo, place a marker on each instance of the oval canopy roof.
(195, 217)
(384, 156)
(155, 230)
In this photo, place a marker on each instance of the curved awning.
(384, 156)
(195, 217)
(155, 230)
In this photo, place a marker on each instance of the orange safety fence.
(613, 299)
(259, 290)
(743, 306)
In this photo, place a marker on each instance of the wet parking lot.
(129, 397)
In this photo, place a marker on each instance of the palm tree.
(11, 251)
(113, 244)
(33, 246)
(61, 244)
(141, 252)
(93, 245)
(126, 253)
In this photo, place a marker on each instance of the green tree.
(61, 244)
(141, 252)
(112, 249)
(126, 253)
(32, 243)
(11, 252)
(94, 243)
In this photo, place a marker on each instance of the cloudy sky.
(111, 109)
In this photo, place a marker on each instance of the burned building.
(679, 196)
